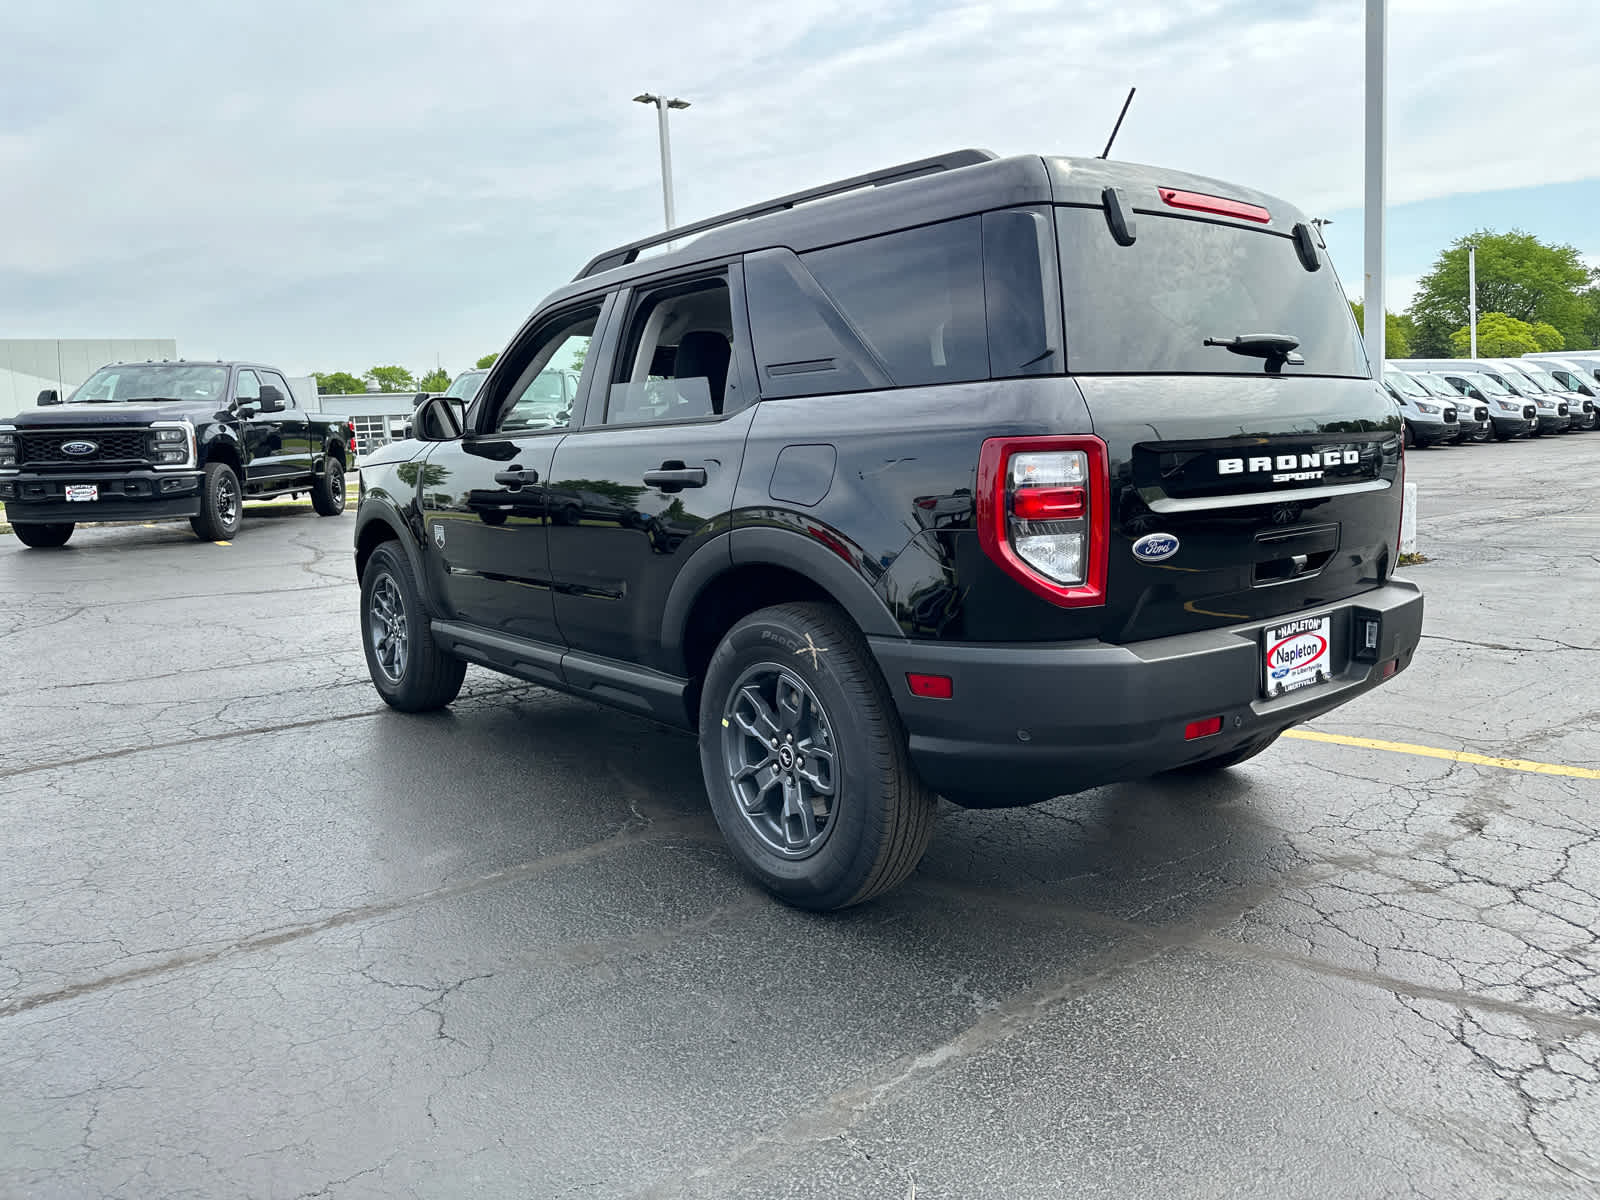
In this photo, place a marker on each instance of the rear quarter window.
(1149, 307)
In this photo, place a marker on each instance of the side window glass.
(542, 397)
(916, 299)
(282, 385)
(676, 355)
(1022, 294)
(249, 386)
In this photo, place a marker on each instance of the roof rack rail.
(623, 255)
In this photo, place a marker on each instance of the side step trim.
(636, 689)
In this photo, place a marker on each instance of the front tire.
(221, 505)
(805, 760)
(407, 666)
(327, 492)
(45, 536)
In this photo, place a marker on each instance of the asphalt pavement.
(260, 936)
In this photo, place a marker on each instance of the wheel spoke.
(791, 705)
(755, 717)
(799, 819)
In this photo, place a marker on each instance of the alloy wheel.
(781, 760)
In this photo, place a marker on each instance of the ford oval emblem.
(79, 448)
(1154, 547)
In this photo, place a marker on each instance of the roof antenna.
(1107, 151)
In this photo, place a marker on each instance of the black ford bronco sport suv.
(991, 478)
(147, 441)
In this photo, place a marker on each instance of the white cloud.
(337, 185)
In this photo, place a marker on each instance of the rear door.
(1275, 469)
(650, 477)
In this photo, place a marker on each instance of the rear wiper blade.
(1276, 348)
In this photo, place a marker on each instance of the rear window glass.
(1149, 307)
(916, 299)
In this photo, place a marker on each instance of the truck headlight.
(172, 445)
(8, 451)
(171, 435)
(1508, 406)
(1430, 409)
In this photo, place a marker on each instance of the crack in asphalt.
(655, 830)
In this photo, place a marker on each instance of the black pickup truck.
(144, 441)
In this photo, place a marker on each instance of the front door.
(484, 498)
(265, 454)
(298, 452)
(650, 476)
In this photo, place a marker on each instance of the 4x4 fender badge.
(1154, 547)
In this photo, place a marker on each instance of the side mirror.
(49, 396)
(439, 419)
(271, 399)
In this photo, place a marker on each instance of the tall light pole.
(1472, 295)
(662, 104)
(1377, 136)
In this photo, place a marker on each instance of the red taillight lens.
(932, 687)
(1049, 504)
(1221, 205)
(1202, 729)
(352, 428)
(1044, 515)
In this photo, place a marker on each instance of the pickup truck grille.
(124, 447)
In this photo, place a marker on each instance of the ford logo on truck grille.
(79, 448)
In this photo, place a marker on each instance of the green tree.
(436, 380)
(338, 383)
(487, 361)
(392, 379)
(1397, 331)
(1499, 336)
(1548, 336)
(1518, 275)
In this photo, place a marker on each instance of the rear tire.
(407, 666)
(805, 760)
(221, 505)
(327, 492)
(1221, 762)
(46, 536)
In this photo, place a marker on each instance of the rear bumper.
(127, 496)
(1028, 722)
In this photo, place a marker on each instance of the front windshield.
(1402, 382)
(466, 385)
(1437, 386)
(126, 383)
(1523, 382)
(1488, 385)
(1542, 377)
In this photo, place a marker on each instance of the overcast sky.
(339, 184)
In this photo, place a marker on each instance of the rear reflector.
(1202, 729)
(1221, 205)
(931, 687)
(1388, 668)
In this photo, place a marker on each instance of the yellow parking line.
(222, 543)
(1481, 760)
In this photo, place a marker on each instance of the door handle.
(516, 477)
(672, 476)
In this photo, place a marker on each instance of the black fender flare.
(381, 512)
(767, 546)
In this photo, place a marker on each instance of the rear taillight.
(1044, 515)
(352, 428)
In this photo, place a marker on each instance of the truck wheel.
(44, 536)
(221, 505)
(805, 760)
(327, 493)
(1222, 761)
(407, 667)
(1409, 437)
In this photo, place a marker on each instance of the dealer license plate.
(83, 491)
(1297, 655)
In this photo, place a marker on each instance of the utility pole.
(662, 104)
(1472, 296)
(1377, 136)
